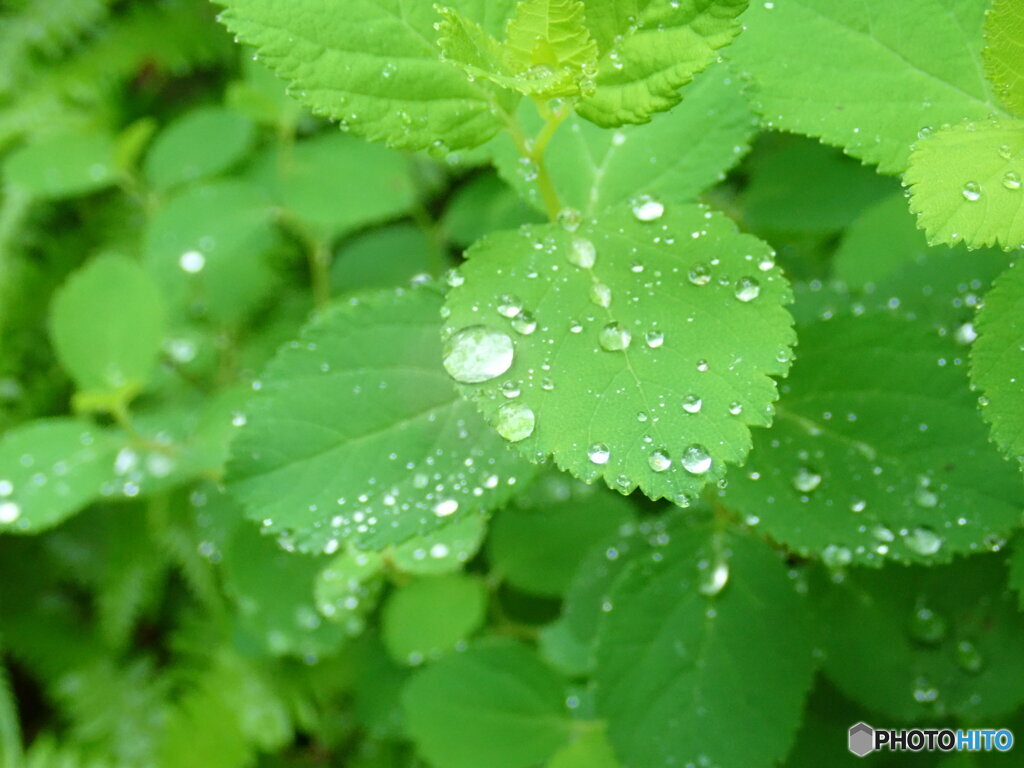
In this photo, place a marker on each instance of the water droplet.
(835, 556)
(968, 657)
(601, 295)
(659, 460)
(805, 480)
(570, 219)
(477, 354)
(713, 578)
(6, 487)
(454, 278)
(446, 507)
(927, 626)
(858, 505)
(747, 289)
(615, 337)
(515, 421)
(1011, 180)
(509, 305)
(966, 334)
(510, 389)
(654, 339)
(582, 253)
(9, 512)
(692, 403)
(699, 275)
(646, 208)
(735, 408)
(192, 262)
(971, 191)
(923, 541)
(924, 692)
(524, 323)
(598, 453)
(696, 460)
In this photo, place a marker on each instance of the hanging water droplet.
(699, 275)
(713, 578)
(9, 512)
(968, 657)
(515, 421)
(1011, 180)
(477, 354)
(615, 337)
(582, 253)
(747, 289)
(524, 323)
(927, 626)
(692, 403)
(654, 339)
(835, 556)
(509, 305)
(806, 480)
(923, 541)
(646, 208)
(659, 460)
(971, 191)
(696, 460)
(598, 453)
(601, 295)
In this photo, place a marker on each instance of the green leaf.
(362, 396)
(347, 66)
(1004, 52)
(63, 166)
(538, 541)
(865, 77)
(675, 157)
(208, 247)
(51, 468)
(431, 616)
(261, 97)
(443, 550)
(201, 143)
(799, 185)
(649, 50)
(495, 705)
(590, 750)
(917, 643)
(549, 48)
(107, 326)
(603, 366)
(877, 451)
(966, 184)
(997, 361)
(384, 258)
(333, 184)
(349, 588)
(1017, 569)
(679, 673)
(465, 44)
(484, 204)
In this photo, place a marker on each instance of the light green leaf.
(465, 44)
(431, 616)
(107, 326)
(646, 369)
(357, 433)
(590, 750)
(916, 643)
(867, 76)
(877, 451)
(50, 469)
(387, 257)
(349, 587)
(346, 66)
(494, 705)
(649, 50)
(675, 157)
(686, 660)
(208, 247)
(1004, 52)
(261, 96)
(549, 48)
(63, 165)
(538, 541)
(443, 550)
(482, 205)
(332, 184)
(201, 143)
(997, 361)
(966, 184)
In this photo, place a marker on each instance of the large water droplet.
(927, 626)
(692, 403)
(971, 191)
(696, 460)
(615, 337)
(747, 289)
(659, 460)
(598, 453)
(646, 208)
(582, 253)
(515, 421)
(805, 480)
(477, 354)
(923, 541)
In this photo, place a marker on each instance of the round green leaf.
(646, 365)
(443, 550)
(432, 615)
(202, 142)
(63, 166)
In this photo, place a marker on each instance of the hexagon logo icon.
(862, 739)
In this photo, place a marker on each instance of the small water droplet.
(924, 692)
(968, 657)
(923, 541)
(454, 278)
(654, 339)
(835, 556)
(1011, 180)
(971, 191)
(570, 219)
(696, 460)
(582, 253)
(713, 578)
(659, 460)
(515, 421)
(858, 505)
(446, 507)
(806, 480)
(477, 353)
(9, 512)
(510, 389)
(735, 408)
(927, 626)
(747, 289)
(615, 337)
(646, 208)
(192, 262)
(598, 453)
(509, 306)
(601, 295)
(524, 323)
(699, 275)
(692, 403)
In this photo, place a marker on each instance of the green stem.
(533, 151)
(319, 254)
